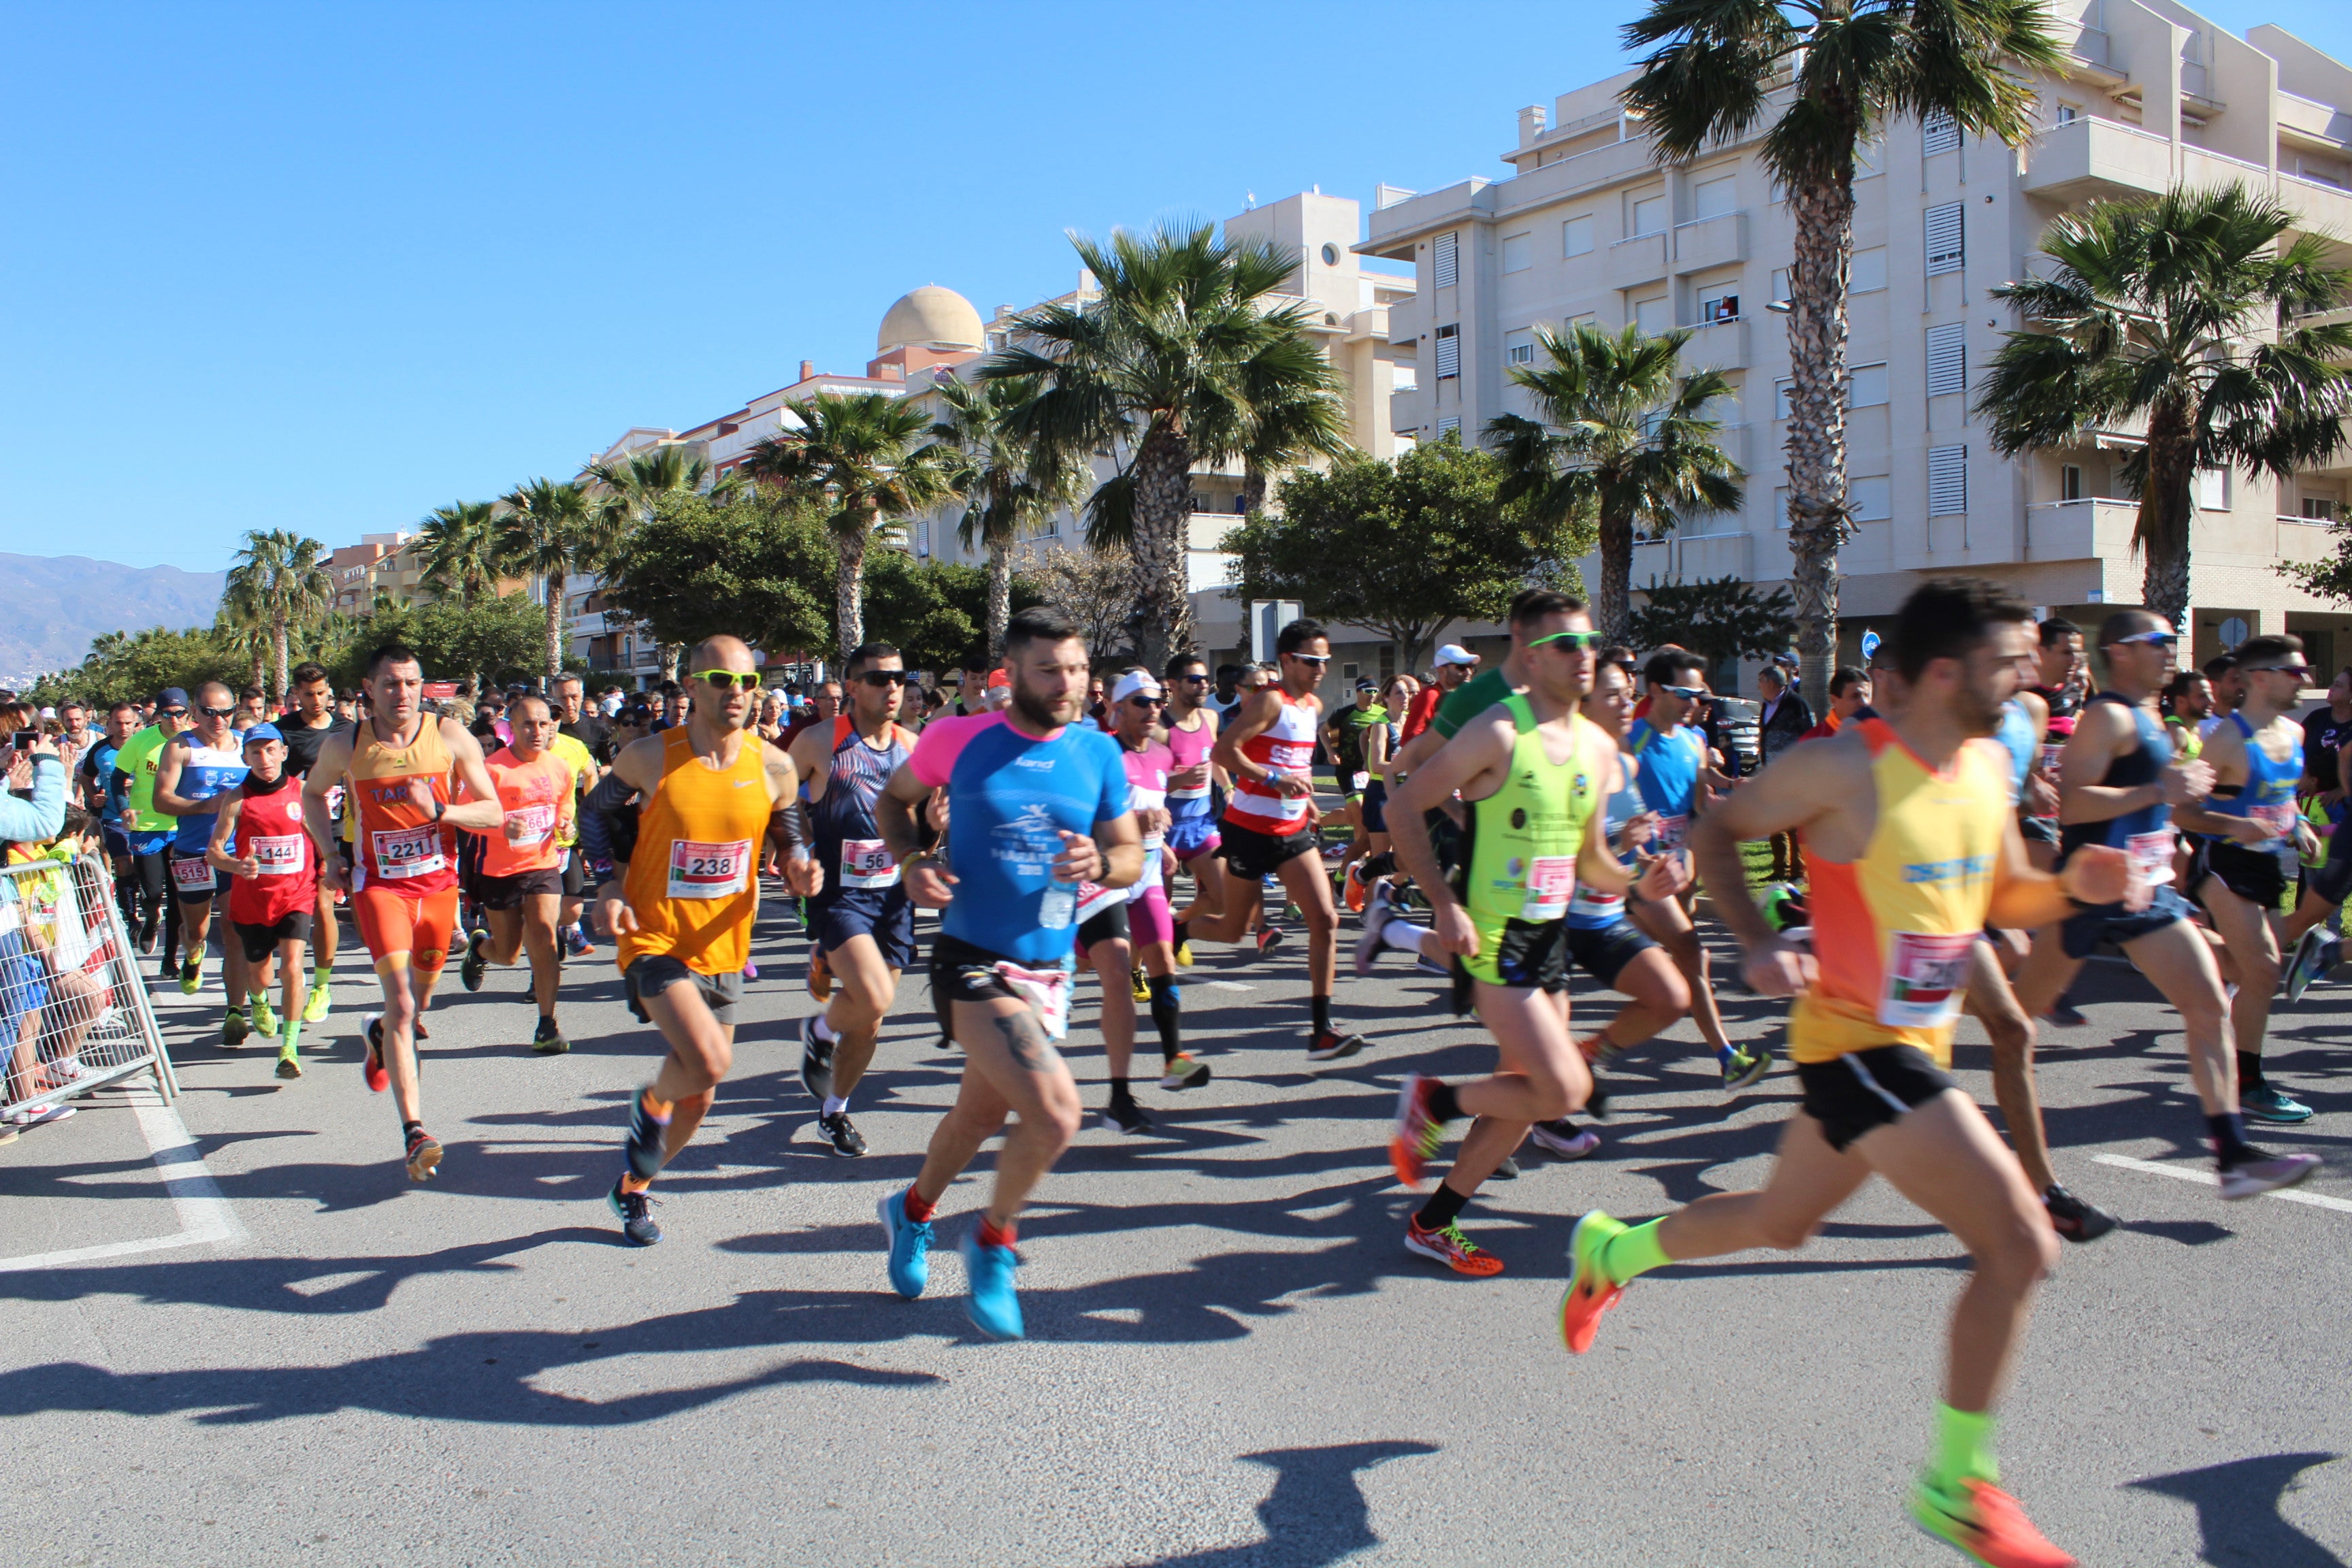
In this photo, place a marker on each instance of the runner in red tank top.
(260, 842)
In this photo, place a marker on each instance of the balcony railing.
(2093, 527)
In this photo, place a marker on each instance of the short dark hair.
(1297, 635)
(1038, 623)
(1183, 662)
(866, 653)
(251, 691)
(2268, 650)
(118, 707)
(2179, 685)
(1948, 617)
(392, 653)
(1846, 679)
(306, 672)
(1532, 604)
(1772, 672)
(2219, 665)
(1228, 673)
(2057, 628)
(1669, 663)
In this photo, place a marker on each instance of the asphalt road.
(1232, 1358)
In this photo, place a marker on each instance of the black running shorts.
(1253, 855)
(1864, 1089)
(651, 974)
(2256, 876)
(260, 942)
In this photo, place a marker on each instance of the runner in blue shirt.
(1673, 763)
(1037, 818)
(195, 766)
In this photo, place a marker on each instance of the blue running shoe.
(647, 1132)
(991, 1304)
(911, 1246)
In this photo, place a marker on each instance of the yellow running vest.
(693, 882)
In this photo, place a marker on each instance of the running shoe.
(1377, 915)
(2272, 1104)
(472, 967)
(816, 1060)
(909, 1244)
(424, 1154)
(1508, 1171)
(1139, 983)
(321, 999)
(750, 971)
(842, 1133)
(647, 1133)
(290, 1062)
(1351, 886)
(264, 1016)
(1128, 1116)
(1184, 955)
(1590, 1290)
(2260, 1173)
(991, 1303)
(2320, 951)
(1565, 1139)
(417, 1031)
(192, 975)
(2074, 1219)
(1743, 1066)
(147, 934)
(1269, 937)
(634, 1211)
(1451, 1248)
(1986, 1524)
(1331, 1045)
(820, 978)
(582, 945)
(26, 1117)
(2064, 1014)
(547, 1039)
(371, 1061)
(1419, 1134)
(1182, 1071)
(1428, 965)
(235, 1027)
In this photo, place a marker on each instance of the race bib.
(1094, 899)
(2277, 820)
(1143, 799)
(1281, 807)
(867, 863)
(279, 853)
(538, 822)
(402, 852)
(1926, 980)
(1671, 832)
(1046, 990)
(2049, 751)
(2151, 856)
(1358, 782)
(1552, 882)
(192, 872)
(702, 870)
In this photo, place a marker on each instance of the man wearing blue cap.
(259, 843)
(198, 766)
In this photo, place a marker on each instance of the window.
(1717, 304)
(1872, 499)
(1947, 481)
(2068, 115)
(2212, 489)
(2070, 481)
(1714, 195)
(1939, 133)
(1866, 274)
(1451, 421)
(1581, 318)
(1865, 386)
(1449, 352)
(1646, 215)
(1520, 347)
(1781, 399)
(1780, 285)
(1944, 238)
(2319, 508)
(923, 537)
(1869, 160)
(1447, 260)
(1576, 236)
(1653, 316)
(1330, 255)
(1519, 252)
(1948, 359)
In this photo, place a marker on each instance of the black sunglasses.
(218, 712)
(1194, 679)
(878, 678)
(1148, 702)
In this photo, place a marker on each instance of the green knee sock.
(1963, 1449)
(289, 1031)
(1631, 1253)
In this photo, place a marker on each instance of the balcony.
(2305, 538)
(1711, 242)
(1716, 345)
(1632, 262)
(2087, 529)
(1689, 558)
(2092, 158)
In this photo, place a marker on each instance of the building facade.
(1589, 226)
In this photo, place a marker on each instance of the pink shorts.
(1148, 918)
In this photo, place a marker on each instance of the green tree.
(139, 663)
(863, 459)
(496, 640)
(1404, 547)
(1719, 619)
(459, 557)
(694, 568)
(551, 529)
(1180, 359)
(935, 613)
(1008, 483)
(2186, 315)
(626, 490)
(1829, 75)
(1623, 439)
(279, 582)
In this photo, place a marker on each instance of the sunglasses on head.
(728, 680)
(1569, 639)
(878, 678)
(2154, 639)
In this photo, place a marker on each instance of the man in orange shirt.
(523, 870)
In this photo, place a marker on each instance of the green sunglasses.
(1569, 639)
(726, 679)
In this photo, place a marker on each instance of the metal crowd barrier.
(74, 1011)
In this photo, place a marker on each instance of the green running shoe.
(265, 1018)
(235, 1027)
(1743, 1066)
(1985, 1524)
(192, 975)
(290, 1062)
(322, 997)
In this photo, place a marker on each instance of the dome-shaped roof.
(931, 317)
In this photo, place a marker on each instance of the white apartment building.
(1588, 227)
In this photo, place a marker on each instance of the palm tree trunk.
(999, 594)
(554, 628)
(260, 658)
(2166, 505)
(849, 586)
(1818, 510)
(1252, 488)
(277, 648)
(1612, 605)
(1162, 619)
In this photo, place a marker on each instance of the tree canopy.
(498, 639)
(754, 568)
(1719, 619)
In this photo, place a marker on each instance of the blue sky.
(327, 266)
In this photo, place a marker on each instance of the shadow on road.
(2238, 1512)
(1315, 1513)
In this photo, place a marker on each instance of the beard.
(1041, 713)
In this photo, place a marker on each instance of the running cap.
(261, 732)
(170, 696)
(1455, 653)
(1135, 682)
(1366, 683)
(998, 680)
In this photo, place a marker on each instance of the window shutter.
(1451, 421)
(1448, 258)
(1449, 352)
(1947, 481)
(1948, 359)
(1939, 133)
(1944, 238)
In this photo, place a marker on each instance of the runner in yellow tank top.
(1914, 851)
(683, 895)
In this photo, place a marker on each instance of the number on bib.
(191, 872)
(280, 854)
(1671, 831)
(1046, 990)
(2151, 856)
(1926, 980)
(402, 852)
(1094, 899)
(867, 863)
(1551, 883)
(538, 822)
(702, 870)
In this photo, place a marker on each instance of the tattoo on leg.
(1025, 1039)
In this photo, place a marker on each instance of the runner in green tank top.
(1531, 770)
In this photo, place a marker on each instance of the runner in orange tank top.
(403, 879)
(683, 891)
(521, 883)
(1914, 850)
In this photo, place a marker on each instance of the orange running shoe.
(1591, 1291)
(1451, 1248)
(1351, 887)
(1986, 1524)
(1418, 1133)
(820, 978)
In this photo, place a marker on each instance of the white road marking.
(205, 1216)
(2206, 1178)
(1226, 984)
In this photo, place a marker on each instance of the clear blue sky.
(325, 266)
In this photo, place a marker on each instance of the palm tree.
(280, 581)
(862, 459)
(1621, 437)
(550, 530)
(1179, 360)
(1007, 484)
(1293, 425)
(244, 615)
(1828, 74)
(459, 556)
(2181, 311)
(628, 491)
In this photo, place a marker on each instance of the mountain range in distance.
(61, 602)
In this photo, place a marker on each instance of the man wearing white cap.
(1453, 664)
